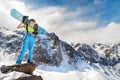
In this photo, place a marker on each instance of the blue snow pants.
(28, 43)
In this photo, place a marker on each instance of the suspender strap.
(27, 28)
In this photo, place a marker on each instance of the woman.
(28, 41)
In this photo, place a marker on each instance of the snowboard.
(18, 16)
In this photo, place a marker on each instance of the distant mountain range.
(49, 49)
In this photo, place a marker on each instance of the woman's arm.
(21, 25)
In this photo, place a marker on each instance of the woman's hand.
(21, 25)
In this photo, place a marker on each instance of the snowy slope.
(55, 58)
(64, 72)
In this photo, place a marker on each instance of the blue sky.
(108, 10)
(85, 21)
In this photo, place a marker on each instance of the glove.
(35, 29)
(25, 19)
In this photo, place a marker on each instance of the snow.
(5, 31)
(45, 43)
(66, 71)
(72, 74)
(12, 75)
(50, 73)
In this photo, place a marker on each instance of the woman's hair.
(33, 20)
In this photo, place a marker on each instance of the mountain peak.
(50, 50)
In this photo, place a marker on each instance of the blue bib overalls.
(28, 43)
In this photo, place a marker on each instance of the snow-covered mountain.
(105, 54)
(56, 59)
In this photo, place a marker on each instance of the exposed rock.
(33, 77)
(25, 68)
(110, 53)
(73, 55)
(49, 49)
(89, 53)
